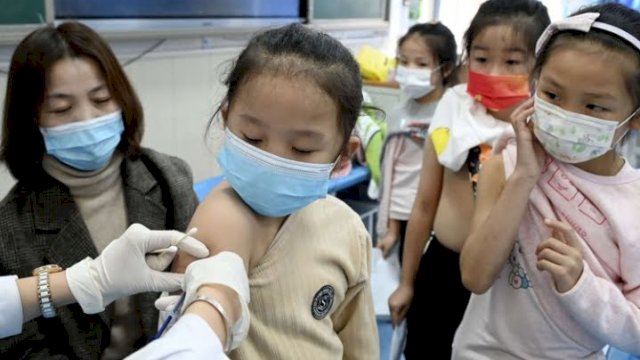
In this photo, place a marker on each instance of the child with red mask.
(469, 119)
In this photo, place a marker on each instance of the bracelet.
(44, 296)
(43, 289)
(218, 306)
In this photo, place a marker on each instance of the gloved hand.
(122, 270)
(161, 259)
(225, 268)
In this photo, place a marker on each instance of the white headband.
(583, 22)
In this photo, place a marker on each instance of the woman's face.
(75, 91)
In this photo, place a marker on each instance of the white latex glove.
(121, 270)
(161, 259)
(225, 268)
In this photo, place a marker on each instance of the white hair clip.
(583, 22)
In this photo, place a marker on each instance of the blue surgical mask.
(272, 186)
(85, 145)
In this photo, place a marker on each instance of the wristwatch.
(44, 289)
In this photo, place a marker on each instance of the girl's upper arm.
(483, 252)
(224, 224)
(430, 185)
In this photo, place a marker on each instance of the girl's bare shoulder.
(225, 222)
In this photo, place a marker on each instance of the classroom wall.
(180, 91)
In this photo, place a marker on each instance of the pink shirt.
(401, 163)
(523, 316)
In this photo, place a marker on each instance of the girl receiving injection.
(293, 98)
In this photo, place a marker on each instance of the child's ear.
(347, 153)
(449, 68)
(635, 122)
(224, 111)
(533, 85)
(352, 146)
(462, 74)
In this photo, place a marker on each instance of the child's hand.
(561, 255)
(530, 154)
(399, 303)
(386, 244)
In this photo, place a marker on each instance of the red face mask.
(498, 92)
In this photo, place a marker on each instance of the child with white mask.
(553, 253)
(426, 64)
(415, 83)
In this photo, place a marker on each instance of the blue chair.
(202, 188)
(357, 175)
(615, 354)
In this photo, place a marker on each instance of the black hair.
(610, 13)
(295, 50)
(440, 40)
(528, 18)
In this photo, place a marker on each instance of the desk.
(358, 174)
(385, 95)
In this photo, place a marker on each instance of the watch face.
(50, 268)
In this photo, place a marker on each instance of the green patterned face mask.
(571, 137)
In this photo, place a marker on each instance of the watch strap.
(43, 288)
(44, 295)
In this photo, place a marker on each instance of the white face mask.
(571, 137)
(414, 83)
